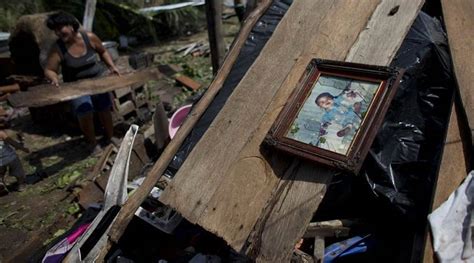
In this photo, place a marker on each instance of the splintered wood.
(260, 201)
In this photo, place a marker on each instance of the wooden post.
(214, 29)
(89, 13)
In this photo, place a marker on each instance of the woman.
(76, 52)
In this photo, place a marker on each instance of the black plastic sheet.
(404, 158)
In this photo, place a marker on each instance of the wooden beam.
(459, 20)
(453, 170)
(43, 95)
(455, 162)
(246, 179)
(215, 33)
(132, 204)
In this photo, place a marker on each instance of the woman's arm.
(103, 53)
(52, 67)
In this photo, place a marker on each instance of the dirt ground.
(59, 160)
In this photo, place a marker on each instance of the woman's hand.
(54, 82)
(114, 70)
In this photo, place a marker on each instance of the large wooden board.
(459, 20)
(47, 94)
(215, 187)
(227, 181)
(285, 217)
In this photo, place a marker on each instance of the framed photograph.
(334, 113)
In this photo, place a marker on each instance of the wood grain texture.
(459, 21)
(227, 181)
(268, 249)
(383, 32)
(43, 95)
(234, 189)
(453, 170)
(127, 212)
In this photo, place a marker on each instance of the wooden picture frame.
(334, 113)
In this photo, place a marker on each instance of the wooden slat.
(235, 180)
(47, 94)
(459, 20)
(452, 172)
(384, 33)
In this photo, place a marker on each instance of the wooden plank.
(453, 170)
(132, 204)
(459, 21)
(308, 26)
(242, 177)
(268, 249)
(392, 12)
(43, 95)
(188, 82)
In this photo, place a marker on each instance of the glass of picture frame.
(335, 112)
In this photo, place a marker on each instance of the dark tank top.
(86, 66)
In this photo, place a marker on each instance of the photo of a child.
(333, 112)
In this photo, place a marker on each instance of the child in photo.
(343, 109)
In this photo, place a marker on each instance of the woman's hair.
(323, 95)
(60, 19)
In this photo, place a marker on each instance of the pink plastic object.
(177, 119)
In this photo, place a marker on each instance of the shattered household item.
(178, 118)
(452, 225)
(158, 215)
(115, 195)
(59, 251)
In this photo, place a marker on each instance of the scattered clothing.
(452, 225)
